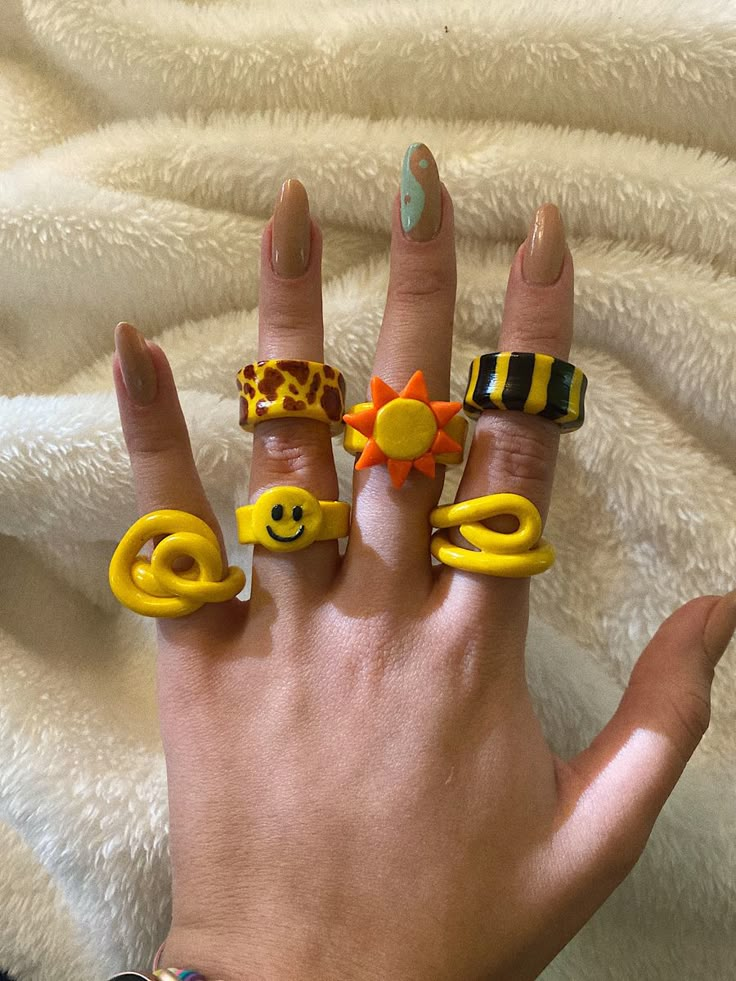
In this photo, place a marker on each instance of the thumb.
(625, 776)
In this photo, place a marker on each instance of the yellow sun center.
(405, 428)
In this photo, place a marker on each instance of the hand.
(358, 784)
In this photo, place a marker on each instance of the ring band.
(281, 388)
(537, 384)
(512, 555)
(152, 588)
(288, 519)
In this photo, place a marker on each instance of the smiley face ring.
(287, 519)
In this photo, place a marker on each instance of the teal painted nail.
(421, 196)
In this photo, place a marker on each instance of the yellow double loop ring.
(514, 555)
(152, 588)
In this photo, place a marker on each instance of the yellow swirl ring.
(513, 555)
(152, 588)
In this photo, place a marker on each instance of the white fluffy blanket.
(143, 145)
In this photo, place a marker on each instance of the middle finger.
(390, 528)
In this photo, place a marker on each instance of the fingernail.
(292, 231)
(421, 196)
(544, 252)
(721, 626)
(139, 372)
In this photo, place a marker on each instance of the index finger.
(514, 451)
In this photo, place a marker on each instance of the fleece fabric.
(143, 146)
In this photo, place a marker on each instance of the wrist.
(191, 951)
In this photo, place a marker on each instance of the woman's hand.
(358, 784)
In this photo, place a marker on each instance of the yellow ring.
(318, 521)
(514, 555)
(286, 388)
(152, 588)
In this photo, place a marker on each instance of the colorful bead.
(177, 974)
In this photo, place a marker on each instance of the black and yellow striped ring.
(534, 383)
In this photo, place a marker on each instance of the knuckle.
(690, 710)
(425, 287)
(431, 280)
(162, 448)
(291, 453)
(521, 455)
(538, 322)
(684, 713)
(286, 316)
(293, 306)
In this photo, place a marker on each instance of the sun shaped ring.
(512, 555)
(404, 429)
(152, 588)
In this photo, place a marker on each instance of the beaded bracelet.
(178, 974)
(161, 974)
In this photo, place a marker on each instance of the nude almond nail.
(292, 232)
(139, 372)
(721, 625)
(544, 253)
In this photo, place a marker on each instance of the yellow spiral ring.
(514, 555)
(152, 588)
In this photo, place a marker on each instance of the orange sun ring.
(400, 446)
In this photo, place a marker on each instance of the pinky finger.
(157, 439)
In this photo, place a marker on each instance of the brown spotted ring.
(282, 388)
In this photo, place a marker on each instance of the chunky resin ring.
(152, 588)
(512, 555)
(287, 519)
(404, 429)
(284, 389)
(457, 429)
(537, 384)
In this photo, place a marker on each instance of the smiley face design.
(286, 519)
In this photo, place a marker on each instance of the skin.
(359, 786)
